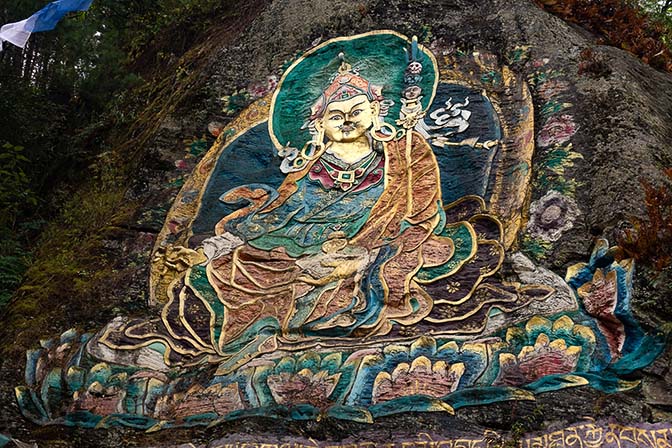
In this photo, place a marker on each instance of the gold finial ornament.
(345, 68)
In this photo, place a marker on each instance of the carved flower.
(309, 379)
(260, 89)
(421, 377)
(544, 348)
(218, 399)
(557, 129)
(600, 298)
(425, 368)
(181, 164)
(545, 357)
(49, 385)
(303, 387)
(101, 399)
(606, 291)
(215, 128)
(272, 82)
(552, 215)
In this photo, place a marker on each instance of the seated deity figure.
(355, 243)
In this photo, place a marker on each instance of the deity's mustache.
(348, 126)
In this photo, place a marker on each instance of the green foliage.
(169, 14)
(15, 192)
(63, 102)
(661, 11)
(69, 253)
(16, 197)
(13, 264)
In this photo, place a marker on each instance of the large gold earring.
(315, 146)
(377, 130)
(376, 122)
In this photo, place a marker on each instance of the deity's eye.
(335, 117)
(356, 112)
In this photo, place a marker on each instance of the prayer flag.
(43, 20)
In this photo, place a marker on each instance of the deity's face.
(348, 120)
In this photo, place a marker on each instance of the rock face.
(597, 135)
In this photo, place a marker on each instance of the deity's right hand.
(220, 245)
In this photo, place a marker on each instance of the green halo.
(378, 56)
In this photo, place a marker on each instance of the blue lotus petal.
(52, 389)
(29, 405)
(32, 357)
(486, 395)
(304, 412)
(350, 413)
(556, 382)
(68, 336)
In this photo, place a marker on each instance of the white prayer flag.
(43, 20)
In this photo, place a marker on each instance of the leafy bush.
(635, 27)
(16, 197)
(649, 240)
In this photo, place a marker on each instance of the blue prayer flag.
(43, 20)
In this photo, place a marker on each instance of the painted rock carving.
(364, 266)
